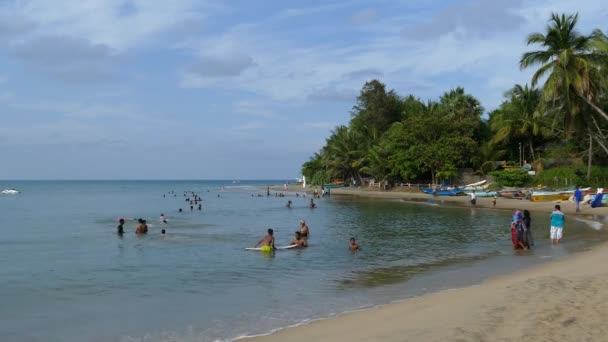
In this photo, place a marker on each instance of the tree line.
(558, 120)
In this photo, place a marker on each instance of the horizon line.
(143, 180)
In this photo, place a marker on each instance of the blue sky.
(203, 89)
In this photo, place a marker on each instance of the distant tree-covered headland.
(558, 123)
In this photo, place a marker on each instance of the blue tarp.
(597, 201)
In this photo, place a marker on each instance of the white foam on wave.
(591, 223)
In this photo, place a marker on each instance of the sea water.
(65, 275)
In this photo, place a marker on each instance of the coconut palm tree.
(568, 60)
(525, 103)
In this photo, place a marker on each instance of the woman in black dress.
(528, 234)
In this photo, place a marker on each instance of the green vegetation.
(562, 125)
(513, 177)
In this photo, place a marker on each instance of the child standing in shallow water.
(557, 224)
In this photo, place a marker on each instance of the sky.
(205, 89)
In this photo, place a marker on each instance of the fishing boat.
(547, 196)
(479, 186)
(443, 192)
(335, 184)
(480, 183)
(560, 195)
(512, 194)
(482, 193)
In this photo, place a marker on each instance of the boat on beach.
(560, 195)
(547, 196)
(511, 194)
(479, 186)
(443, 192)
(335, 184)
(482, 193)
(480, 183)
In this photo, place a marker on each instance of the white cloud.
(480, 53)
(104, 22)
(221, 66)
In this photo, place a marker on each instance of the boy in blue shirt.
(578, 197)
(557, 224)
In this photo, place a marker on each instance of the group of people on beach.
(521, 228)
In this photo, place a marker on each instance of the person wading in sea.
(120, 229)
(557, 224)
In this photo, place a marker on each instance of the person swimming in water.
(288, 204)
(120, 229)
(312, 204)
(163, 218)
(163, 232)
(298, 241)
(139, 229)
(200, 206)
(353, 245)
(267, 242)
(304, 230)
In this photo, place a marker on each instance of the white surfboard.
(280, 247)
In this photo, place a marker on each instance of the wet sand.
(565, 300)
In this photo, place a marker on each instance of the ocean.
(65, 275)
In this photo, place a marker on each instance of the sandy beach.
(482, 202)
(565, 300)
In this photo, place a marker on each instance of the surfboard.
(280, 247)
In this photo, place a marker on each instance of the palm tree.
(525, 103)
(568, 60)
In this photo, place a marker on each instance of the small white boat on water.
(10, 192)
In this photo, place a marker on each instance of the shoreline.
(536, 303)
(555, 300)
(567, 207)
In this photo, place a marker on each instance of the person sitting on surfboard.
(352, 245)
(304, 230)
(298, 241)
(267, 242)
